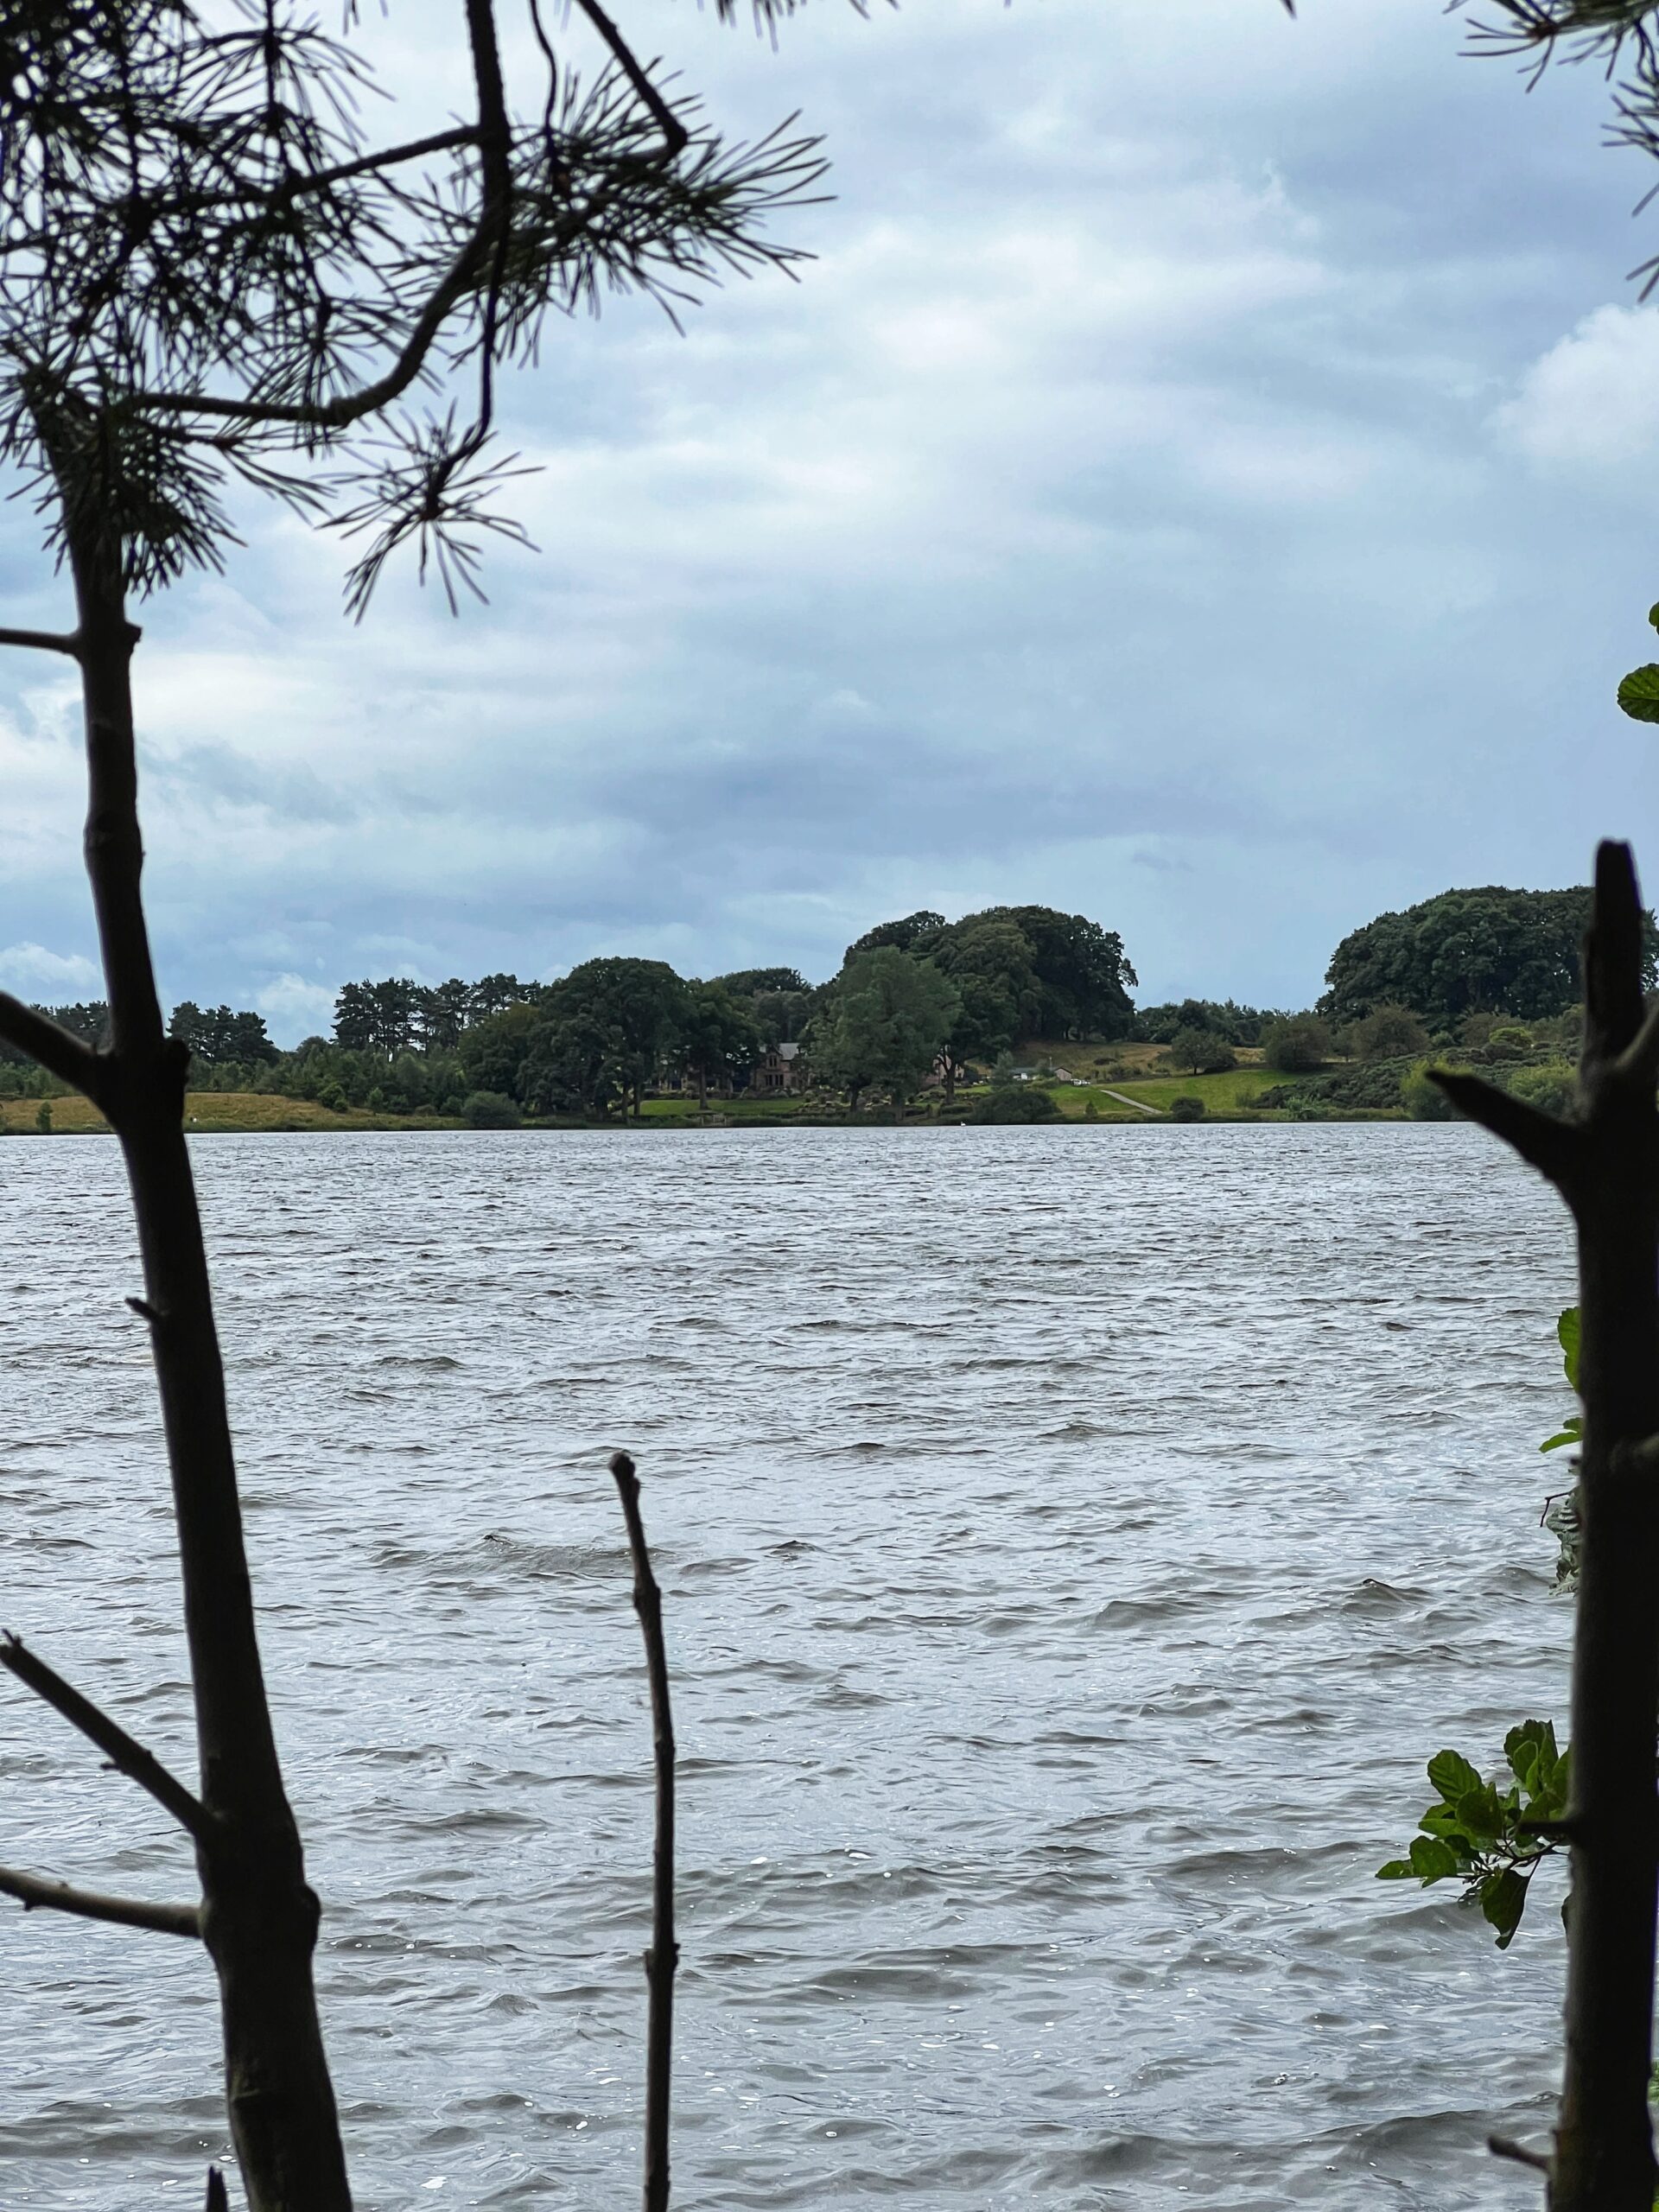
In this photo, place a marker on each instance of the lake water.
(1074, 1542)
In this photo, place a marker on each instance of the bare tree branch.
(1550, 1146)
(33, 1894)
(128, 1757)
(663, 1957)
(1505, 2147)
(57, 1049)
(44, 641)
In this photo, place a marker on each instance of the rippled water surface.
(1074, 1540)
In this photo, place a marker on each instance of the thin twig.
(664, 1956)
(33, 1894)
(45, 641)
(128, 1757)
(217, 2199)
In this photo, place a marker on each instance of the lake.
(1074, 1542)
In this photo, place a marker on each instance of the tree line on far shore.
(1489, 974)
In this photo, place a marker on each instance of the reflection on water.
(1074, 1542)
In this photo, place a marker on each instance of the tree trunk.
(702, 1087)
(1605, 1163)
(259, 1919)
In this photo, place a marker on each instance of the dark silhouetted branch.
(130, 1758)
(1550, 1146)
(675, 134)
(217, 2199)
(44, 641)
(663, 1957)
(57, 1049)
(34, 1895)
(1505, 2147)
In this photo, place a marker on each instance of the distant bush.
(1295, 1042)
(1022, 1102)
(1423, 1100)
(1187, 1108)
(1551, 1088)
(1387, 1034)
(1200, 1052)
(1510, 1042)
(490, 1109)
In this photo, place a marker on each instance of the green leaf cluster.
(1486, 1836)
(1572, 1429)
(1639, 695)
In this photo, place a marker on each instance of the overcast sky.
(1207, 480)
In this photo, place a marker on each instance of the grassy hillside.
(209, 1110)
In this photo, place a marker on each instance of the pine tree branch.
(126, 1756)
(676, 136)
(35, 1895)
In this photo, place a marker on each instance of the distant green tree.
(911, 934)
(757, 982)
(1239, 1024)
(888, 1019)
(1188, 1107)
(354, 1018)
(443, 1014)
(1294, 1043)
(1488, 951)
(220, 1037)
(716, 1038)
(781, 1016)
(609, 1025)
(1200, 1052)
(1083, 977)
(992, 963)
(495, 994)
(490, 1109)
(1387, 1034)
(494, 1050)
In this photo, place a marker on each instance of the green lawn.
(1229, 1093)
(684, 1110)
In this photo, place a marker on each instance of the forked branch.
(34, 1895)
(663, 1957)
(125, 1755)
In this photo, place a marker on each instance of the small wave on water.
(1060, 1616)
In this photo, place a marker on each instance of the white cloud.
(295, 1008)
(34, 972)
(1592, 400)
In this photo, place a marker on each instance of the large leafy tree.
(716, 1038)
(209, 272)
(1490, 951)
(1050, 974)
(993, 964)
(886, 1022)
(604, 1031)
